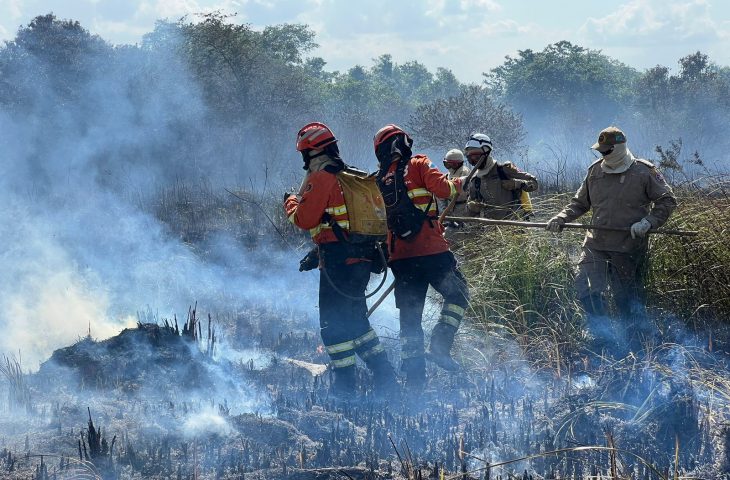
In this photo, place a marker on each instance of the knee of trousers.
(589, 282)
(368, 345)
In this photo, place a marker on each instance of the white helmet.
(480, 141)
(455, 155)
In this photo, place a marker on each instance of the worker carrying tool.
(497, 190)
(454, 163)
(339, 207)
(629, 194)
(419, 254)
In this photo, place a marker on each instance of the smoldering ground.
(86, 250)
(80, 254)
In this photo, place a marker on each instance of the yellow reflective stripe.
(323, 226)
(407, 354)
(450, 321)
(372, 351)
(337, 210)
(450, 307)
(340, 347)
(452, 189)
(316, 230)
(418, 192)
(362, 339)
(343, 362)
(293, 217)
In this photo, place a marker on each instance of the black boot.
(414, 369)
(344, 382)
(439, 352)
(384, 378)
(594, 304)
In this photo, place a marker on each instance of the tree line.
(229, 94)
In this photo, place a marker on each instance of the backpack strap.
(430, 218)
(503, 176)
(336, 229)
(500, 172)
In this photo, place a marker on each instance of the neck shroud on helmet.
(316, 139)
(392, 140)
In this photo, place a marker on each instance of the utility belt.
(348, 246)
(337, 253)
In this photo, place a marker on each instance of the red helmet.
(314, 136)
(387, 132)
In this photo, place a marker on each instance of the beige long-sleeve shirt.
(493, 199)
(619, 200)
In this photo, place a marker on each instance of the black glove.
(555, 224)
(310, 261)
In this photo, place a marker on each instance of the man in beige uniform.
(623, 191)
(495, 189)
(454, 163)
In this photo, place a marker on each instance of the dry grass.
(18, 392)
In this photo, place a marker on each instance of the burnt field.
(157, 401)
(243, 392)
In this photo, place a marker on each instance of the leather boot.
(384, 378)
(439, 352)
(344, 382)
(414, 369)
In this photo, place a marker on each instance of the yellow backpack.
(365, 206)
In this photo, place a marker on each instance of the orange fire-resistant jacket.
(423, 181)
(322, 194)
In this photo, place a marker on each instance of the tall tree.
(447, 123)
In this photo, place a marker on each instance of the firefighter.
(419, 254)
(496, 189)
(454, 163)
(320, 208)
(622, 191)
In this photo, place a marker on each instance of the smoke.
(80, 147)
(204, 423)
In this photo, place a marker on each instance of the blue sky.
(467, 36)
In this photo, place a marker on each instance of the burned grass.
(532, 401)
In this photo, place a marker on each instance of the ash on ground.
(159, 402)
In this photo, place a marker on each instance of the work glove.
(555, 224)
(474, 207)
(513, 184)
(640, 228)
(310, 260)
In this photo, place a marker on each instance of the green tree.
(447, 123)
(563, 81)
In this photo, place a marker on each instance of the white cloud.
(504, 28)
(657, 21)
(13, 8)
(489, 5)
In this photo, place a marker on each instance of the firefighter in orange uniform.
(320, 208)
(419, 254)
